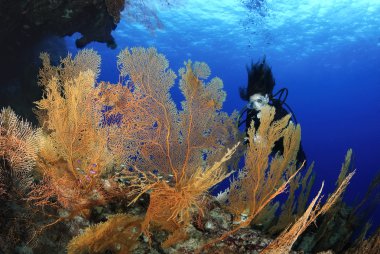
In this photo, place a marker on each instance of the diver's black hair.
(260, 80)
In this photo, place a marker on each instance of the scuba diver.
(259, 93)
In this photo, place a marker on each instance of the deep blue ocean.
(326, 52)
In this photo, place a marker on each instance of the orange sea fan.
(171, 208)
(263, 178)
(177, 154)
(173, 148)
(75, 154)
(175, 141)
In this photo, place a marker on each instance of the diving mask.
(257, 101)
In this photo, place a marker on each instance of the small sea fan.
(18, 151)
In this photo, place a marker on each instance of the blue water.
(326, 52)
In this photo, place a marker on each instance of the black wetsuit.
(280, 113)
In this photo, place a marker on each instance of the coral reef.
(125, 169)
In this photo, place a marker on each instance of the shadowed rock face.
(24, 24)
(23, 21)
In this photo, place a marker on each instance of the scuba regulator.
(257, 101)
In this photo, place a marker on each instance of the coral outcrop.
(126, 169)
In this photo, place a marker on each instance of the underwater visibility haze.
(165, 142)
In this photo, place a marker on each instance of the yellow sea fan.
(118, 234)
